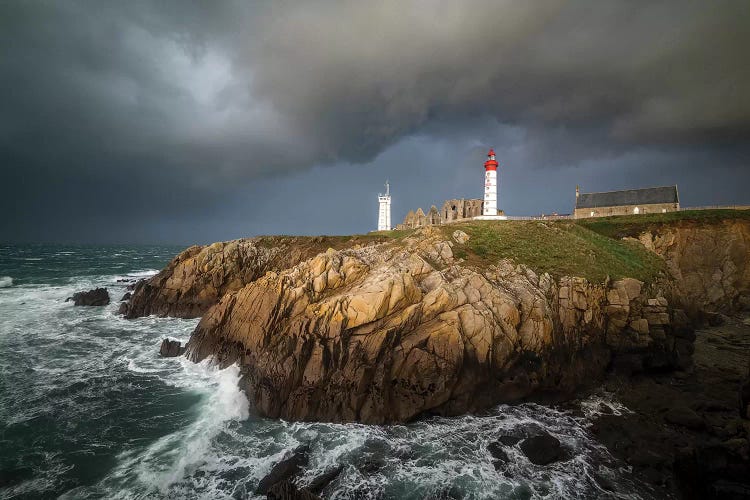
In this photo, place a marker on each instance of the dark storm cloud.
(152, 115)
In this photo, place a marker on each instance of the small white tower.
(384, 210)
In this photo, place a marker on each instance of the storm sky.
(182, 122)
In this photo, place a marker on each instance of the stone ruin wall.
(452, 210)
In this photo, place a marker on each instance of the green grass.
(561, 248)
(632, 225)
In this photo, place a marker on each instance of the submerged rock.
(543, 449)
(171, 348)
(284, 470)
(319, 483)
(497, 452)
(95, 297)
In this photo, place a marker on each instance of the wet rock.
(171, 348)
(285, 470)
(543, 449)
(125, 297)
(123, 309)
(497, 452)
(286, 490)
(95, 297)
(320, 482)
(684, 417)
(509, 440)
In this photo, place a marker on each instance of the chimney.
(578, 191)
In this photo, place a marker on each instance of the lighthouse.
(490, 184)
(384, 209)
(489, 212)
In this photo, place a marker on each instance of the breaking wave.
(6, 282)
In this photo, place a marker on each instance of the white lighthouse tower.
(384, 209)
(489, 211)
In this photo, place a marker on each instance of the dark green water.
(89, 410)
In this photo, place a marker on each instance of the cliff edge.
(450, 319)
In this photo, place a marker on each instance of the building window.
(636, 210)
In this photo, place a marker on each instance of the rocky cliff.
(394, 331)
(198, 277)
(709, 263)
(385, 329)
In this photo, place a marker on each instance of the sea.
(88, 409)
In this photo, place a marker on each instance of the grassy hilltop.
(590, 248)
(561, 248)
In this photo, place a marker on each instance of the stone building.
(461, 209)
(628, 202)
(452, 210)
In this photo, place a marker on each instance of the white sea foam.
(6, 282)
(172, 457)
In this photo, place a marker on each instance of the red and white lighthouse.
(490, 185)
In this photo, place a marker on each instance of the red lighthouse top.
(491, 163)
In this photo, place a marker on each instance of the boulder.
(125, 297)
(95, 297)
(285, 470)
(460, 237)
(543, 449)
(171, 348)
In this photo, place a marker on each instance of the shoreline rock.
(171, 348)
(93, 298)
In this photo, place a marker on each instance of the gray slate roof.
(647, 196)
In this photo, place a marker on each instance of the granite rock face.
(390, 332)
(198, 277)
(710, 263)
